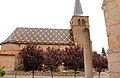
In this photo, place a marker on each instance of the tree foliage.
(100, 63)
(32, 58)
(20, 67)
(74, 58)
(2, 71)
(52, 59)
(103, 52)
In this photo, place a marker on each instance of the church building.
(44, 37)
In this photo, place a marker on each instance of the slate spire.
(77, 9)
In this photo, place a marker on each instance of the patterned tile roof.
(40, 36)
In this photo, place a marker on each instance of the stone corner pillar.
(111, 9)
(87, 53)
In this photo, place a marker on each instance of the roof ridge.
(40, 28)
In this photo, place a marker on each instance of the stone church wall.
(10, 46)
(7, 61)
(46, 46)
(20, 46)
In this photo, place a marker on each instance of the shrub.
(2, 71)
(20, 67)
(56, 70)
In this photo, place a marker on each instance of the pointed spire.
(77, 9)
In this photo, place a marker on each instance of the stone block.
(106, 14)
(114, 57)
(114, 67)
(113, 12)
(114, 75)
(114, 49)
(111, 41)
(116, 29)
(112, 4)
(108, 29)
(113, 20)
(118, 38)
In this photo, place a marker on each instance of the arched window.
(83, 22)
(79, 22)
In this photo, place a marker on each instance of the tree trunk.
(15, 73)
(75, 74)
(52, 74)
(33, 74)
(99, 75)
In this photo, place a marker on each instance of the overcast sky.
(51, 14)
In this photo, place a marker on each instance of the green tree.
(103, 52)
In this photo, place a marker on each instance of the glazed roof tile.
(40, 36)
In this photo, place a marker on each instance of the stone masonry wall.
(112, 18)
(7, 61)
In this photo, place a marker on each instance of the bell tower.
(81, 35)
(78, 22)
